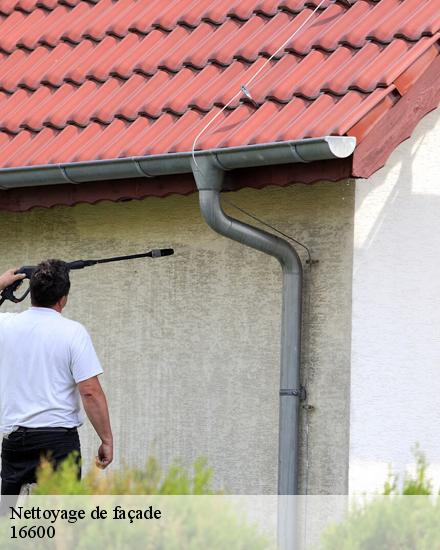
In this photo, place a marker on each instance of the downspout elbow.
(243, 233)
(209, 179)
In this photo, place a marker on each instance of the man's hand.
(105, 455)
(10, 277)
(95, 405)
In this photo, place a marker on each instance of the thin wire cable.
(306, 406)
(306, 340)
(270, 226)
(250, 80)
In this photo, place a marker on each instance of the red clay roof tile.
(16, 116)
(391, 24)
(315, 112)
(22, 67)
(79, 69)
(180, 95)
(194, 13)
(169, 16)
(274, 74)
(284, 90)
(114, 102)
(356, 33)
(231, 121)
(10, 147)
(82, 18)
(228, 94)
(185, 142)
(250, 129)
(201, 53)
(367, 105)
(23, 153)
(57, 103)
(342, 78)
(398, 66)
(32, 72)
(284, 32)
(114, 147)
(311, 88)
(362, 128)
(331, 38)
(122, 21)
(7, 6)
(45, 31)
(70, 98)
(127, 64)
(174, 133)
(341, 111)
(297, 6)
(84, 80)
(66, 146)
(311, 35)
(143, 21)
(277, 123)
(423, 22)
(145, 94)
(103, 137)
(219, 11)
(374, 74)
(404, 82)
(180, 55)
(56, 75)
(206, 96)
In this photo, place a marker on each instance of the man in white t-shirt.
(47, 363)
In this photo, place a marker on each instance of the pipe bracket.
(301, 393)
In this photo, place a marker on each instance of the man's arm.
(95, 405)
(10, 277)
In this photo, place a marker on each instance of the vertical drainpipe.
(209, 179)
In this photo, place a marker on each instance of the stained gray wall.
(190, 344)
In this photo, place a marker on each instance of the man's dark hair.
(49, 283)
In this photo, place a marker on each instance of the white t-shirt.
(43, 356)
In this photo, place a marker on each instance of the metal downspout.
(209, 179)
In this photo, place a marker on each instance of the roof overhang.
(299, 151)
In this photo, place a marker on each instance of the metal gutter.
(307, 150)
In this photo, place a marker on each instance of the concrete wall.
(396, 316)
(190, 344)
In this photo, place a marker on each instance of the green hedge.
(406, 517)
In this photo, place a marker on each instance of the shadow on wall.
(396, 289)
(402, 178)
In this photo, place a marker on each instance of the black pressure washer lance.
(29, 270)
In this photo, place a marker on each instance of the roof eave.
(297, 151)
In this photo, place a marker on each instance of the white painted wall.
(395, 381)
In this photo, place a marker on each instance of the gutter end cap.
(326, 148)
(341, 146)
